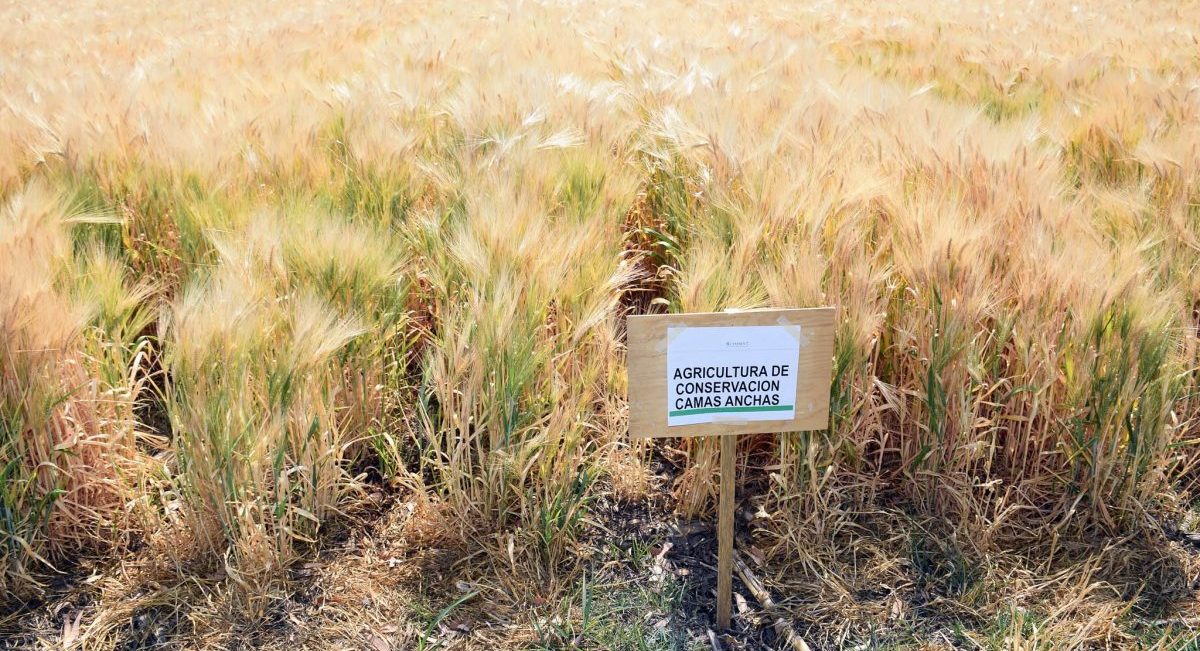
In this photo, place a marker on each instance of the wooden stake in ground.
(726, 374)
(725, 532)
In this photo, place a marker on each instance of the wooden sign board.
(730, 372)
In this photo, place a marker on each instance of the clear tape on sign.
(661, 347)
(674, 330)
(796, 331)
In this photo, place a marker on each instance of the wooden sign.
(729, 373)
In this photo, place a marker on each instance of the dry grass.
(267, 270)
(69, 377)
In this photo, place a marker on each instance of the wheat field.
(312, 321)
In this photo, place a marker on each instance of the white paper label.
(731, 374)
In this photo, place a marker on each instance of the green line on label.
(729, 410)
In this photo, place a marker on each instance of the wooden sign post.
(724, 374)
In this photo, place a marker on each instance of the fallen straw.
(782, 627)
